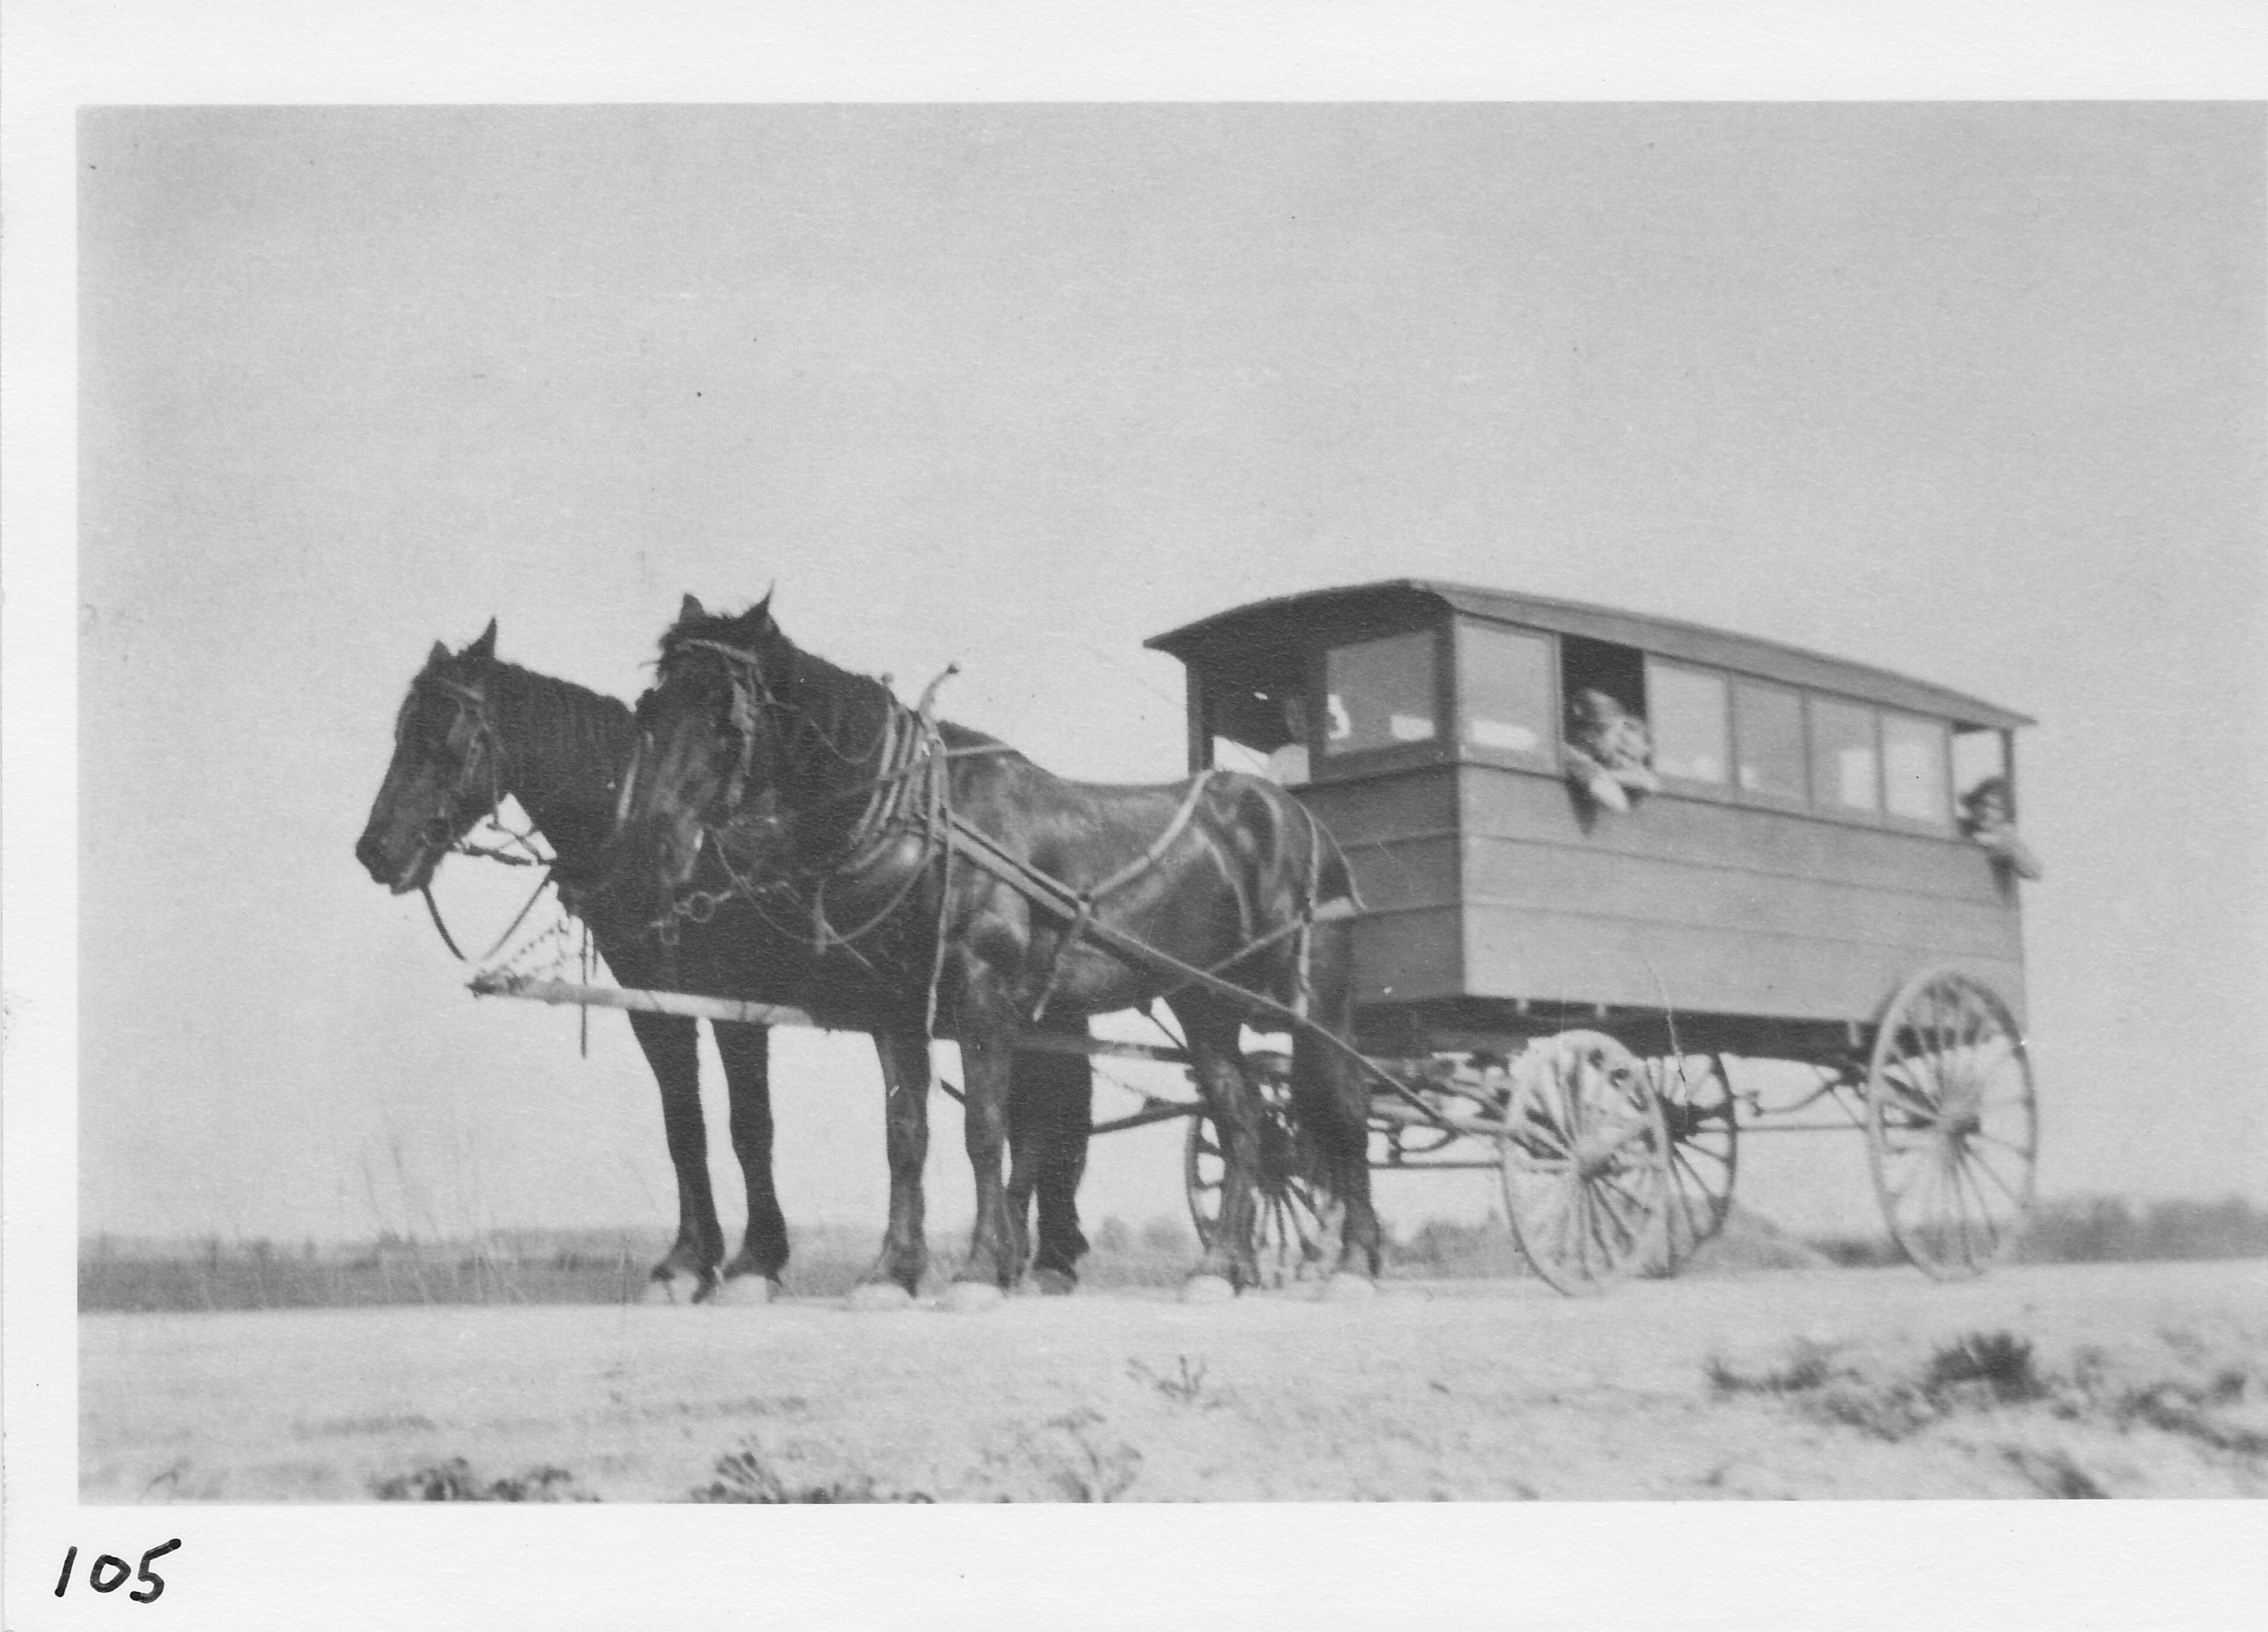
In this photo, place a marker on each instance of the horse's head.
(447, 771)
(709, 752)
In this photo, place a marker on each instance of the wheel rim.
(1952, 1125)
(1295, 1220)
(1584, 1163)
(1698, 1109)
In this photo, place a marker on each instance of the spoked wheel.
(1952, 1128)
(1295, 1233)
(1586, 1160)
(1696, 1107)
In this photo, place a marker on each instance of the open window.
(1253, 710)
(1619, 671)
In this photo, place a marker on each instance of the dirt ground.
(2121, 1380)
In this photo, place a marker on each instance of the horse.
(1008, 898)
(473, 729)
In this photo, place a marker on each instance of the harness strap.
(1126, 874)
(975, 845)
(447, 940)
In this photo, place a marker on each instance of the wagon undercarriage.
(1616, 1145)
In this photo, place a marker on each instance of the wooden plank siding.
(1479, 882)
(1713, 908)
(1402, 843)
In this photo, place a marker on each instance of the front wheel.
(1295, 1230)
(1584, 1161)
(1952, 1126)
(1697, 1106)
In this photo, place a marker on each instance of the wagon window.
(1914, 769)
(1258, 729)
(1844, 773)
(1379, 693)
(1768, 726)
(1504, 689)
(1979, 756)
(1686, 714)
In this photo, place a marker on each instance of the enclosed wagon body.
(1802, 856)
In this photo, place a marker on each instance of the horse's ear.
(759, 616)
(438, 656)
(484, 648)
(690, 609)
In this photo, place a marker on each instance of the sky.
(1974, 392)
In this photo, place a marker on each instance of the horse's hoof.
(967, 1298)
(1054, 1283)
(746, 1291)
(874, 1297)
(1347, 1285)
(1207, 1289)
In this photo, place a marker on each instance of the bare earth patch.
(2134, 1380)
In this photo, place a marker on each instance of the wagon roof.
(1223, 635)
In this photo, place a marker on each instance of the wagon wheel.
(1296, 1221)
(1698, 1107)
(1952, 1128)
(1585, 1161)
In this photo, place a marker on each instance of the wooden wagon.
(1803, 887)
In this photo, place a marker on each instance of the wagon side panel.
(1401, 837)
(1704, 906)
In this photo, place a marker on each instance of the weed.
(1186, 1386)
(1889, 1412)
(744, 1475)
(455, 1480)
(1808, 1365)
(1069, 1456)
(2000, 1360)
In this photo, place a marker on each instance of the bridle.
(482, 758)
(483, 753)
(906, 792)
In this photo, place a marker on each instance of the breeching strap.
(973, 845)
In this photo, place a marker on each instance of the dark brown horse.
(1005, 897)
(472, 730)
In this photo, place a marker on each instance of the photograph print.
(1170, 803)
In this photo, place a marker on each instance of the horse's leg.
(1330, 1098)
(670, 1045)
(1050, 1111)
(988, 1060)
(1234, 1105)
(745, 1050)
(905, 1059)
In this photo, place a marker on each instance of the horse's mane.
(790, 667)
(557, 723)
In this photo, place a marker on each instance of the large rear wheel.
(1952, 1125)
(1585, 1162)
(1295, 1233)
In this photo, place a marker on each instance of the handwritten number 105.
(108, 1573)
